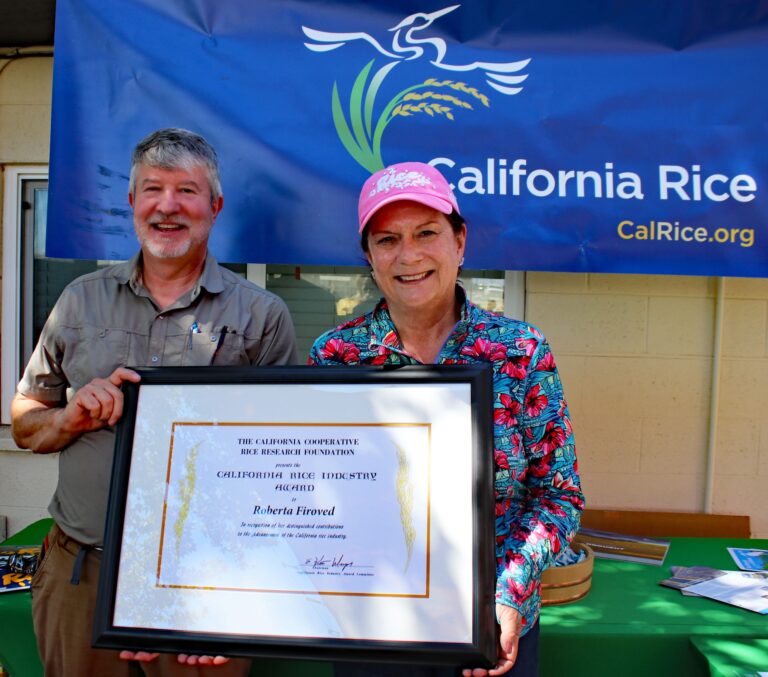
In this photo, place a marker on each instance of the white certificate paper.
(303, 498)
(301, 510)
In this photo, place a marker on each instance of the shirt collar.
(129, 272)
(211, 279)
(384, 333)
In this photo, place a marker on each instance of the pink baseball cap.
(414, 181)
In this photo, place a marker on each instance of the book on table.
(612, 545)
(750, 559)
(18, 564)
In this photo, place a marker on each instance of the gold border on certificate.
(404, 492)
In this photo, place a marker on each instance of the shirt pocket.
(99, 352)
(204, 348)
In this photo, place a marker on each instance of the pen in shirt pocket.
(194, 329)
(220, 342)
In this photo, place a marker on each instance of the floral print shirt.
(537, 489)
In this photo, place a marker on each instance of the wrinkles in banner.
(555, 124)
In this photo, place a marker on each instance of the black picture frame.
(479, 650)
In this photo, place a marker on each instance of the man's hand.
(45, 427)
(98, 404)
(202, 660)
(511, 625)
(184, 659)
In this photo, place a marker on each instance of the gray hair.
(175, 148)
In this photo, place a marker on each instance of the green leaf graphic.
(362, 137)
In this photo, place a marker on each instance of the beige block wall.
(636, 355)
(25, 110)
(27, 482)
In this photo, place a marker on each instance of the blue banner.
(579, 136)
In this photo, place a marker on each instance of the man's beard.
(167, 250)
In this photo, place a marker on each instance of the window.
(32, 282)
(322, 297)
(25, 198)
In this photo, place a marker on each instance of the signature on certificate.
(323, 562)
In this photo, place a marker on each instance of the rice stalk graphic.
(361, 136)
(186, 491)
(405, 498)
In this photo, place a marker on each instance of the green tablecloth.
(629, 625)
(734, 657)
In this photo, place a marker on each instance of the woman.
(414, 238)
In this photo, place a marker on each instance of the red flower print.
(547, 363)
(337, 349)
(502, 507)
(501, 460)
(391, 339)
(530, 342)
(553, 508)
(507, 415)
(535, 401)
(539, 468)
(516, 367)
(516, 558)
(520, 592)
(564, 482)
(355, 323)
(485, 350)
(554, 437)
(541, 532)
(461, 338)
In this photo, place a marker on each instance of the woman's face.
(415, 255)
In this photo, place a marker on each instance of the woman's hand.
(511, 625)
(184, 659)
(202, 660)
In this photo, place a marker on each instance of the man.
(170, 305)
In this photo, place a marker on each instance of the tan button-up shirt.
(106, 320)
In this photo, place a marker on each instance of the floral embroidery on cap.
(399, 180)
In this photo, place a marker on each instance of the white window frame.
(14, 176)
(514, 294)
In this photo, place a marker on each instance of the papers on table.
(750, 559)
(748, 590)
(745, 589)
(682, 577)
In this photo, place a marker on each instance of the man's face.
(172, 211)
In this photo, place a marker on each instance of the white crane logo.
(357, 131)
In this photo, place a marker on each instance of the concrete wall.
(27, 482)
(635, 353)
(25, 110)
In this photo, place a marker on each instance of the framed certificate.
(336, 513)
